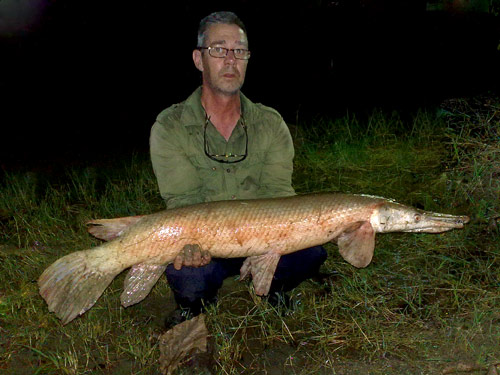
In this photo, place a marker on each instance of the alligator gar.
(261, 230)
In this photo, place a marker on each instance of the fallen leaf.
(182, 340)
(461, 367)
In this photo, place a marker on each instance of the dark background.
(85, 79)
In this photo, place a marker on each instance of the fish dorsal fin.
(139, 281)
(262, 269)
(108, 229)
(356, 244)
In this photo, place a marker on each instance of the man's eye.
(239, 51)
(219, 49)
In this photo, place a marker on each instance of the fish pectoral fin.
(356, 244)
(108, 229)
(262, 269)
(139, 281)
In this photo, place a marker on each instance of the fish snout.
(436, 222)
(450, 219)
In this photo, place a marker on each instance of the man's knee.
(296, 267)
(312, 257)
(190, 284)
(319, 253)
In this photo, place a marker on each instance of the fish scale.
(261, 230)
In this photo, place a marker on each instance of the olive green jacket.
(186, 175)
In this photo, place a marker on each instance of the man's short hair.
(227, 18)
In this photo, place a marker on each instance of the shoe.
(279, 299)
(186, 312)
(178, 316)
(325, 277)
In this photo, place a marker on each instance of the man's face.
(223, 75)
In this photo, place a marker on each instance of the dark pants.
(194, 287)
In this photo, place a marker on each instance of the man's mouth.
(229, 75)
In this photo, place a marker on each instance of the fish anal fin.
(108, 229)
(139, 281)
(357, 243)
(262, 269)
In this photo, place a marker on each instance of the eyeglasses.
(221, 52)
(227, 157)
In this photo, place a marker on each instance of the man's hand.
(192, 256)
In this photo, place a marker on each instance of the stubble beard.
(226, 90)
(223, 88)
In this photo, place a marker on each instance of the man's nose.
(230, 56)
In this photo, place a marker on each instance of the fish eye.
(417, 217)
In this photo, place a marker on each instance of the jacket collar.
(194, 114)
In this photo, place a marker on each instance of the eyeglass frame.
(230, 155)
(227, 52)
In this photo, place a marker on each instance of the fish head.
(395, 217)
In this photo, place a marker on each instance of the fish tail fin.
(73, 284)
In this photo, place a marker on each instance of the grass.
(427, 303)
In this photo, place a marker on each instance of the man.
(218, 145)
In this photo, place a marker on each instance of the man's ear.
(197, 60)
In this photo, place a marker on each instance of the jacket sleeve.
(177, 178)
(276, 177)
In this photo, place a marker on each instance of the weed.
(426, 301)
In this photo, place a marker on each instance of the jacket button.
(214, 168)
(228, 170)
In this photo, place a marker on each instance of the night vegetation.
(427, 304)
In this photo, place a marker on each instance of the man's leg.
(296, 267)
(194, 287)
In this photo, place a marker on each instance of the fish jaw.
(434, 222)
(395, 217)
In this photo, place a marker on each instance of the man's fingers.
(188, 255)
(192, 256)
(178, 262)
(188, 261)
(205, 257)
(197, 259)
